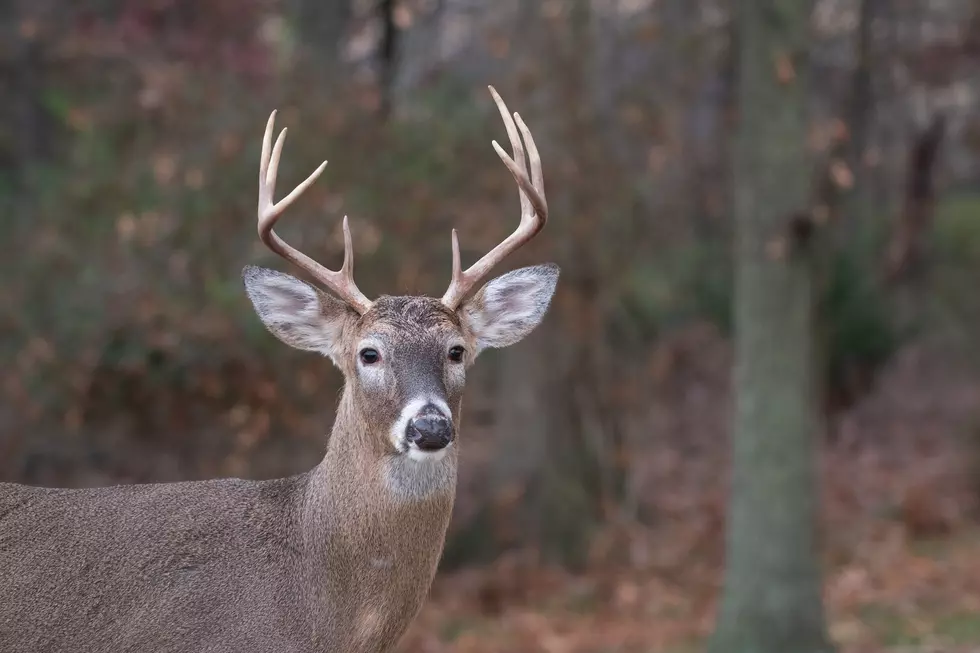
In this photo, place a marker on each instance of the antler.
(534, 208)
(340, 281)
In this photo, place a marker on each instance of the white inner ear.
(509, 307)
(287, 301)
(295, 312)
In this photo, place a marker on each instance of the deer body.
(335, 560)
(306, 563)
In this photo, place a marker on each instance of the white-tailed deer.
(337, 559)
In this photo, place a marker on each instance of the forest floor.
(900, 595)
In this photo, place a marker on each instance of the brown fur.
(329, 560)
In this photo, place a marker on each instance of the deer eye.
(456, 354)
(369, 356)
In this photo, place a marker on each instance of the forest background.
(595, 474)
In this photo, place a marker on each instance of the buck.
(337, 559)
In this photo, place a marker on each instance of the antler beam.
(534, 207)
(340, 281)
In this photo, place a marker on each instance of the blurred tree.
(581, 482)
(387, 53)
(843, 194)
(905, 251)
(28, 130)
(771, 599)
(322, 25)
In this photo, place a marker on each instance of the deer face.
(405, 358)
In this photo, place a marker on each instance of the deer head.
(404, 359)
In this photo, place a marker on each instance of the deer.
(337, 559)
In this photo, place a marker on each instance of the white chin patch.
(414, 453)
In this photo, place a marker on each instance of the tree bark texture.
(772, 592)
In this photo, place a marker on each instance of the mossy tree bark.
(772, 593)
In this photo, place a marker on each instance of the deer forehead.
(400, 321)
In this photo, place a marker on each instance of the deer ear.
(296, 312)
(508, 308)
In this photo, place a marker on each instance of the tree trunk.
(905, 251)
(772, 599)
(388, 55)
(575, 479)
(849, 212)
(322, 25)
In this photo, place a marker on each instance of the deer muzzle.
(430, 429)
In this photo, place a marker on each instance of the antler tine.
(340, 281)
(516, 145)
(534, 207)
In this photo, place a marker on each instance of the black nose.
(430, 430)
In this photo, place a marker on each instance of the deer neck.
(374, 524)
(362, 471)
